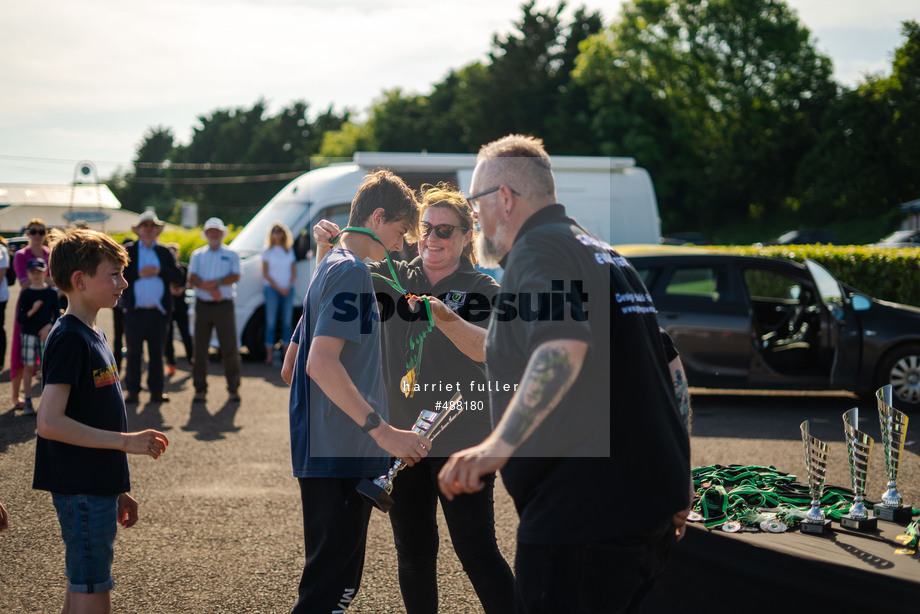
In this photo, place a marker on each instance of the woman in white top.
(278, 271)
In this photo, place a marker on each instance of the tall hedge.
(883, 273)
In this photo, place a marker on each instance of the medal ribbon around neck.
(417, 341)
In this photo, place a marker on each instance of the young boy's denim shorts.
(88, 526)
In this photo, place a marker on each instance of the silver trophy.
(815, 522)
(378, 492)
(894, 433)
(859, 450)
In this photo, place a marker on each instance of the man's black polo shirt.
(613, 457)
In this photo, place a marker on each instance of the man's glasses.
(36, 231)
(442, 231)
(471, 201)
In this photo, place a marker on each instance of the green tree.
(144, 187)
(866, 161)
(905, 98)
(719, 99)
(239, 158)
(525, 86)
(399, 123)
(349, 138)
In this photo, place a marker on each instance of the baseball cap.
(36, 264)
(214, 223)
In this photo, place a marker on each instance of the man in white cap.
(147, 305)
(213, 272)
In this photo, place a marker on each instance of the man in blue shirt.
(147, 305)
(338, 411)
(213, 271)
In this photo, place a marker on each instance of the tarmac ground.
(220, 514)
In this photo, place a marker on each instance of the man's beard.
(490, 250)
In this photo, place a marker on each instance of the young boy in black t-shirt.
(80, 453)
(37, 310)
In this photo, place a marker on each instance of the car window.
(338, 214)
(647, 275)
(828, 286)
(763, 284)
(699, 282)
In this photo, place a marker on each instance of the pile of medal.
(753, 498)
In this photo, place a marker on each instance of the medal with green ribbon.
(416, 341)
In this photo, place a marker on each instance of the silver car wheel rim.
(905, 378)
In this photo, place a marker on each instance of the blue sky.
(85, 80)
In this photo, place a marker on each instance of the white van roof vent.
(452, 162)
(414, 161)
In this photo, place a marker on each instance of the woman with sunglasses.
(36, 249)
(443, 268)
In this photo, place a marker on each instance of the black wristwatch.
(372, 422)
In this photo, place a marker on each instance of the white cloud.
(880, 15)
(87, 79)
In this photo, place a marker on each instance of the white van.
(611, 197)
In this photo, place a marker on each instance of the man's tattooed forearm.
(682, 392)
(546, 377)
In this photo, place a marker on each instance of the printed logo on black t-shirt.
(106, 376)
(455, 299)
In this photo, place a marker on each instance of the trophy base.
(375, 495)
(822, 527)
(901, 514)
(869, 524)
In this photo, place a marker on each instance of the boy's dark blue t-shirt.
(325, 441)
(77, 355)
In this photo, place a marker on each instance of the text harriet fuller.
(489, 386)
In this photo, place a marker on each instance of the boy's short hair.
(384, 190)
(79, 249)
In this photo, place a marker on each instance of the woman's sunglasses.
(443, 231)
(36, 231)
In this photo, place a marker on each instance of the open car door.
(843, 331)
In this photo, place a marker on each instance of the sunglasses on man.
(442, 231)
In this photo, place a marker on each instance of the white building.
(62, 205)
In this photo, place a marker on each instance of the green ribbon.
(743, 493)
(914, 531)
(414, 361)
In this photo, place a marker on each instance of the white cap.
(214, 222)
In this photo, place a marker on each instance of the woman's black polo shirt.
(469, 293)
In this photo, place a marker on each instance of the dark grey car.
(769, 323)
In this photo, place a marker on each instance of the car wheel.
(901, 369)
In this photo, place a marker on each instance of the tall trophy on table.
(378, 492)
(894, 433)
(859, 450)
(815, 523)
